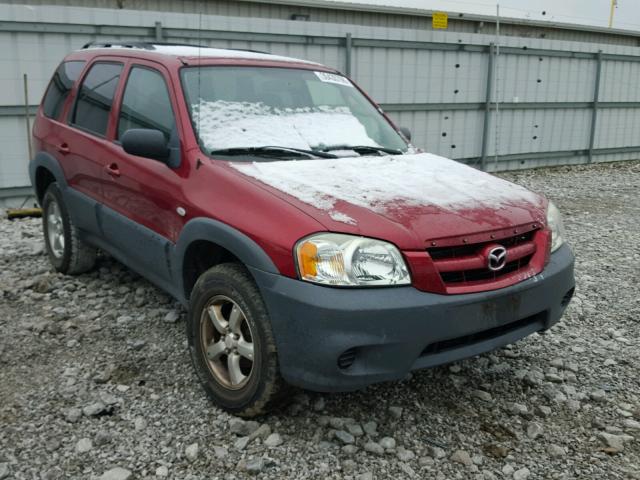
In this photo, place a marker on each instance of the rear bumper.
(391, 331)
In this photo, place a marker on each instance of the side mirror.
(406, 132)
(145, 142)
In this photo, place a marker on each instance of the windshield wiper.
(272, 151)
(363, 149)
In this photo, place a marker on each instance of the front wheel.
(231, 342)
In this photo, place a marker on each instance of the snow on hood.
(383, 183)
(223, 124)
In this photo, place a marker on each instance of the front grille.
(484, 274)
(439, 253)
(468, 263)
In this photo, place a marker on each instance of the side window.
(146, 103)
(96, 96)
(60, 86)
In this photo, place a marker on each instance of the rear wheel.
(231, 342)
(66, 251)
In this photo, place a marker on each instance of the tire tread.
(83, 256)
(276, 390)
(78, 257)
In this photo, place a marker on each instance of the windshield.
(248, 107)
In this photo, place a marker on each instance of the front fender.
(240, 245)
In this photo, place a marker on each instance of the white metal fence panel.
(442, 85)
(540, 130)
(620, 81)
(14, 152)
(539, 78)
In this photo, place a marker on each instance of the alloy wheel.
(55, 229)
(227, 341)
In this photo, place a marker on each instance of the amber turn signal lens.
(308, 260)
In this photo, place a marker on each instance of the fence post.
(159, 34)
(594, 112)
(26, 115)
(487, 109)
(348, 44)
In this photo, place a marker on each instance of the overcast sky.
(589, 12)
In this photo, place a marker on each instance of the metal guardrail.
(12, 192)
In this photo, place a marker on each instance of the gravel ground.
(96, 381)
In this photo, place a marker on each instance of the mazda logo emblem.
(496, 258)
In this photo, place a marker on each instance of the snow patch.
(223, 124)
(387, 183)
(341, 217)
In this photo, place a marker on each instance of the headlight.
(347, 260)
(554, 221)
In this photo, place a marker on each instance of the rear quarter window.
(95, 97)
(60, 86)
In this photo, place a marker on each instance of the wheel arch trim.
(237, 243)
(50, 163)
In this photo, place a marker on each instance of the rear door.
(83, 143)
(144, 194)
(51, 127)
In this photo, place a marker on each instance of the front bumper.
(390, 331)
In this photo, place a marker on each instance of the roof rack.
(248, 50)
(151, 45)
(136, 44)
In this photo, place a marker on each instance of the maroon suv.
(311, 242)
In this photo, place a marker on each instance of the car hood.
(406, 199)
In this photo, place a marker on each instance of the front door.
(144, 194)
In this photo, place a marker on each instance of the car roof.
(187, 52)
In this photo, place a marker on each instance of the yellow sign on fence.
(439, 20)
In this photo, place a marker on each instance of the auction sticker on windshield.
(333, 78)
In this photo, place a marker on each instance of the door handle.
(112, 169)
(63, 148)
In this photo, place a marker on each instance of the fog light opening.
(567, 297)
(346, 358)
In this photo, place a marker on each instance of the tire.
(218, 293)
(66, 251)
